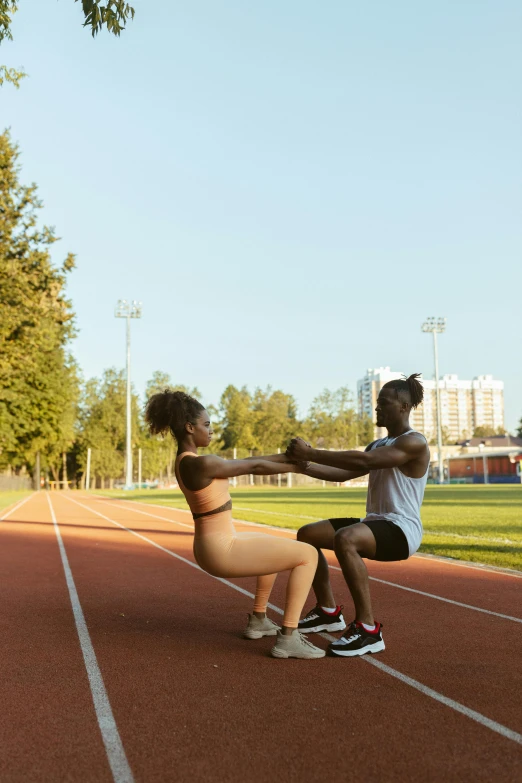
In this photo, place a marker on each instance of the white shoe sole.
(259, 634)
(370, 648)
(277, 652)
(326, 627)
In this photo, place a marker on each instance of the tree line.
(244, 423)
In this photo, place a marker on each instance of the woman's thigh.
(256, 554)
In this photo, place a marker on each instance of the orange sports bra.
(209, 500)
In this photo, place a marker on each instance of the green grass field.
(8, 498)
(482, 524)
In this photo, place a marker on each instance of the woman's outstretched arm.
(211, 467)
(269, 458)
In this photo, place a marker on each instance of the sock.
(329, 609)
(369, 627)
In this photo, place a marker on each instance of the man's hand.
(299, 450)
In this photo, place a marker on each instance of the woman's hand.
(298, 450)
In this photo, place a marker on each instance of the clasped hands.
(299, 451)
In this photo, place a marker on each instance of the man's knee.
(346, 541)
(305, 534)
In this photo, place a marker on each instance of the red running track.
(122, 660)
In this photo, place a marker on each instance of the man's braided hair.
(410, 386)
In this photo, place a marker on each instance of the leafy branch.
(113, 15)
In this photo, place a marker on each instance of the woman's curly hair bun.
(169, 411)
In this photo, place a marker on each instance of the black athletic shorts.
(391, 541)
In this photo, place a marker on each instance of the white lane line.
(168, 551)
(138, 503)
(454, 705)
(484, 567)
(472, 538)
(451, 703)
(118, 763)
(336, 568)
(18, 505)
(440, 598)
(147, 514)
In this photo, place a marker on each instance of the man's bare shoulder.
(413, 442)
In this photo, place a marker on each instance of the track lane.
(12, 507)
(48, 729)
(489, 591)
(246, 720)
(415, 638)
(109, 731)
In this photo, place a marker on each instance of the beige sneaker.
(257, 628)
(295, 646)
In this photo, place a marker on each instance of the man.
(391, 530)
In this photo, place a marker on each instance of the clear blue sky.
(290, 188)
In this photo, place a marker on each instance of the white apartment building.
(465, 405)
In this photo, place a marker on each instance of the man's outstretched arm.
(402, 451)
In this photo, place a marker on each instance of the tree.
(237, 419)
(447, 440)
(519, 430)
(113, 15)
(38, 378)
(274, 415)
(161, 381)
(102, 424)
(11, 75)
(486, 431)
(333, 422)
(62, 413)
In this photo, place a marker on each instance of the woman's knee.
(310, 554)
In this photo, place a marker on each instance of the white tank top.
(394, 496)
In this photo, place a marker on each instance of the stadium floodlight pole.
(234, 480)
(437, 326)
(88, 470)
(128, 310)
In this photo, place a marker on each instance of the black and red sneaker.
(318, 620)
(358, 641)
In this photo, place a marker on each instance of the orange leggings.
(221, 551)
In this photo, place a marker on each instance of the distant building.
(465, 405)
(491, 443)
(500, 467)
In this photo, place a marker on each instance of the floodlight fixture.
(434, 325)
(125, 309)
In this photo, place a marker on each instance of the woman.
(218, 549)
